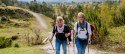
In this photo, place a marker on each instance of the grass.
(9, 31)
(21, 50)
(117, 34)
(115, 41)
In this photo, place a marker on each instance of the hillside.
(24, 28)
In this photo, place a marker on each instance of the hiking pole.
(88, 46)
(52, 45)
(68, 46)
(88, 49)
(46, 39)
(74, 46)
(73, 35)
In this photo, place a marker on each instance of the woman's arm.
(68, 32)
(89, 33)
(53, 33)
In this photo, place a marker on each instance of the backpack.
(61, 36)
(92, 29)
(86, 26)
(79, 34)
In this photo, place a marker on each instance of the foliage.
(16, 45)
(43, 8)
(9, 2)
(5, 42)
(14, 13)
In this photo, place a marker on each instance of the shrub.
(5, 42)
(2, 26)
(16, 45)
(15, 13)
(15, 37)
(118, 20)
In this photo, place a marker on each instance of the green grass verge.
(117, 35)
(21, 50)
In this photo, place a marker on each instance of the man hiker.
(83, 33)
(61, 32)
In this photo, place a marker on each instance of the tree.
(0, 2)
(34, 0)
(9, 2)
(79, 8)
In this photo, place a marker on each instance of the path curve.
(40, 20)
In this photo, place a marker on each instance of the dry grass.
(117, 34)
(115, 41)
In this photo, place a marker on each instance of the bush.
(118, 20)
(2, 26)
(16, 45)
(36, 39)
(5, 42)
(15, 37)
(15, 13)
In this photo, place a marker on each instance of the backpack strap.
(86, 27)
(87, 30)
(77, 28)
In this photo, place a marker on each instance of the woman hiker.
(61, 32)
(82, 32)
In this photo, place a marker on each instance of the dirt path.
(70, 48)
(39, 19)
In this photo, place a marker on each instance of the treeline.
(9, 2)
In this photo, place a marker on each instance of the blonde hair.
(80, 14)
(59, 18)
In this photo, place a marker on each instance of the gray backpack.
(82, 32)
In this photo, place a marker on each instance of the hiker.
(82, 32)
(61, 32)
